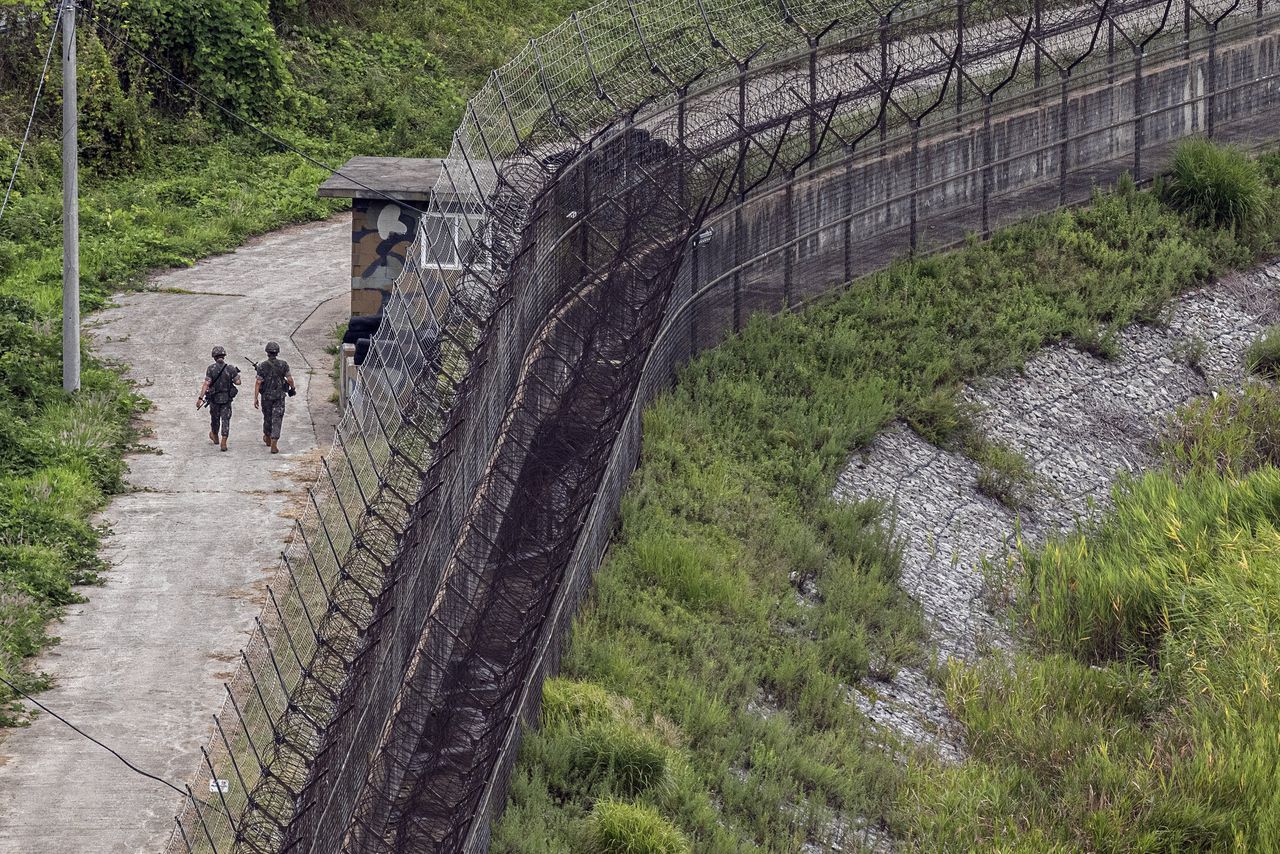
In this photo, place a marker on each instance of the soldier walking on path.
(217, 392)
(273, 385)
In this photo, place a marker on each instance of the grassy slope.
(1145, 717)
(697, 650)
(388, 81)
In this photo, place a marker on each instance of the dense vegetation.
(706, 683)
(167, 179)
(1146, 715)
(704, 700)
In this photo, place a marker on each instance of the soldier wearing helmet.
(218, 390)
(273, 385)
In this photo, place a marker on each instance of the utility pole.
(70, 207)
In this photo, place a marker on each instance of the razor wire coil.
(468, 493)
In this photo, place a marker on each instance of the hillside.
(167, 179)
(720, 691)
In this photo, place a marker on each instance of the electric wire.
(15, 689)
(287, 146)
(48, 55)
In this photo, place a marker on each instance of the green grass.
(1263, 356)
(1218, 186)
(943, 419)
(1145, 715)
(738, 602)
(621, 828)
(163, 186)
(1229, 434)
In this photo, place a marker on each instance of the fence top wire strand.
(510, 113)
(584, 73)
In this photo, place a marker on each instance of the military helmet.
(219, 351)
(273, 347)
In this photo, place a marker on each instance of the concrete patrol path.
(192, 545)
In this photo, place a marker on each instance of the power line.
(123, 42)
(48, 54)
(15, 689)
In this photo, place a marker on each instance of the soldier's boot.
(213, 437)
(223, 446)
(275, 449)
(266, 438)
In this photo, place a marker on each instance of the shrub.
(942, 418)
(1005, 475)
(625, 759)
(1150, 721)
(1217, 186)
(1191, 351)
(1263, 355)
(569, 703)
(111, 129)
(1097, 340)
(615, 827)
(691, 573)
(1231, 434)
(227, 48)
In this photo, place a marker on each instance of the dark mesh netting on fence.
(628, 191)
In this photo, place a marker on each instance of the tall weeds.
(738, 603)
(1150, 719)
(1218, 186)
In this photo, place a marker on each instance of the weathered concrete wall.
(795, 242)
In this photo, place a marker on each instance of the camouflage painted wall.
(381, 233)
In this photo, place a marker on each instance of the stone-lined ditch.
(1081, 422)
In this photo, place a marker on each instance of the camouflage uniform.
(221, 378)
(272, 372)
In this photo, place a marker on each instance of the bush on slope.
(738, 603)
(1147, 715)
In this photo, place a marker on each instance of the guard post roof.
(404, 179)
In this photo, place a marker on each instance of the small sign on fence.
(219, 785)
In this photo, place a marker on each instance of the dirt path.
(141, 664)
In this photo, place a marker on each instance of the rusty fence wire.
(629, 190)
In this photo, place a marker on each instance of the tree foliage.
(227, 49)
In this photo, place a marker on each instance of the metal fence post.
(584, 238)
(681, 127)
(1138, 107)
(694, 278)
(960, 5)
(986, 164)
(1111, 50)
(1064, 76)
(884, 65)
(1186, 29)
(788, 254)
(813, 100)
(915, 181)
(848, 217)
(1211, 80)
(1039, 34)
(743, 149)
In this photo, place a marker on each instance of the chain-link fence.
(631, 188)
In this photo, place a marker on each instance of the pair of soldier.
(273, 384)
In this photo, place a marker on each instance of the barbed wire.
(626, 192)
